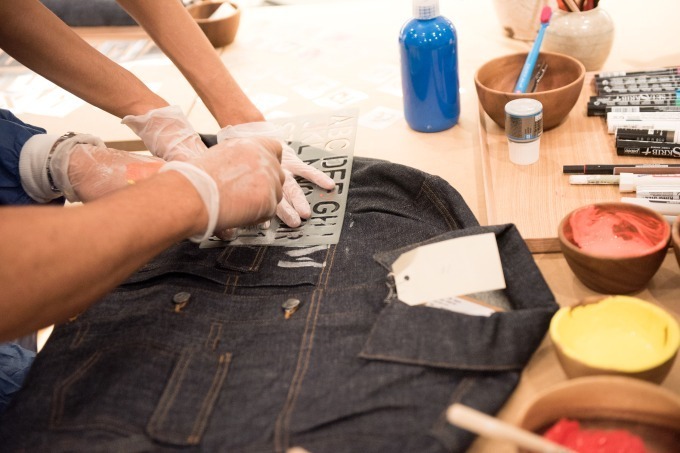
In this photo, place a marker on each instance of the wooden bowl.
(558, 91)
(675, 239)
(615, 335)
(220, 31)
(645, 410)
(641, 233)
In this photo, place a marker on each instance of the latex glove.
(166, 132)
(239, 181)
(94, 171)
(80, 167)
(36, 162)
(294, 205)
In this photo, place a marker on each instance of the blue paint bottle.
(429, 69)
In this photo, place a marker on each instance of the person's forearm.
(57, 261)
(38, 39)
(180, 37)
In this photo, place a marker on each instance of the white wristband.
(43, 165)
(207, 189)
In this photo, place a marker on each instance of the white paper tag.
(448, 269)
(463, 305)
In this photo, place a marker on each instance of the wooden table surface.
(304, 58)
(512, 191)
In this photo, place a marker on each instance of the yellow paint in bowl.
(620, 333)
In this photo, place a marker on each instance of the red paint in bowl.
(570, 434)
(615, 232)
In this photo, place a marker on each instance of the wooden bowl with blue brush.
(558, 89)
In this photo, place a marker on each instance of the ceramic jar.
(584, 35)
(520, 19)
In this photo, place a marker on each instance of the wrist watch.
(61, 139)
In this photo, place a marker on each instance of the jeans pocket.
(419, 335)
(185, 407)
(475, 360)
(435, 337)
(121, 388)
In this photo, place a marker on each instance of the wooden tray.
(536, 197)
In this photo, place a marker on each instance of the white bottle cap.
(523, 107)
(627, 182)
(425, 9)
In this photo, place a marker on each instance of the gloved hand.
(294, 205)
(79, 167)
(239, 181)
(88, 172)
(166, 132)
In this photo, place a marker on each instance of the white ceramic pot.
(586, 36)
(520, 19)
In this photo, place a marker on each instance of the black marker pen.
(608, 169)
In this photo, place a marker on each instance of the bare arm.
(56, 260)
(177, 34)
(38, 39)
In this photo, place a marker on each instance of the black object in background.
(91, 13)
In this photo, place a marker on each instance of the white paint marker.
(663, 207)
(629, 182)
(658, 192)
(594, 179)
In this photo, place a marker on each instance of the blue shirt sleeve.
(13, 134)
(15, 362)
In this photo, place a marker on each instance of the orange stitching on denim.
(432, 363)
(214, 336)
(59, 397)
(83, 329)
(169, 395)
(281, 435)
(326, 271)
(209, 400)
(226, 284)
(441, 207)
(233, 287)
(229, 287)
(317, 308)
(259, 256)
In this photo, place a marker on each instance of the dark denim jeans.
(352, 370)
(93, 13)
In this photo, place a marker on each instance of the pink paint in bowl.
(614, 248)
(616, 231)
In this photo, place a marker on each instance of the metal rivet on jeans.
(180, 300)
(290, 306)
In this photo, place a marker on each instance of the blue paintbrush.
(528, 68)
